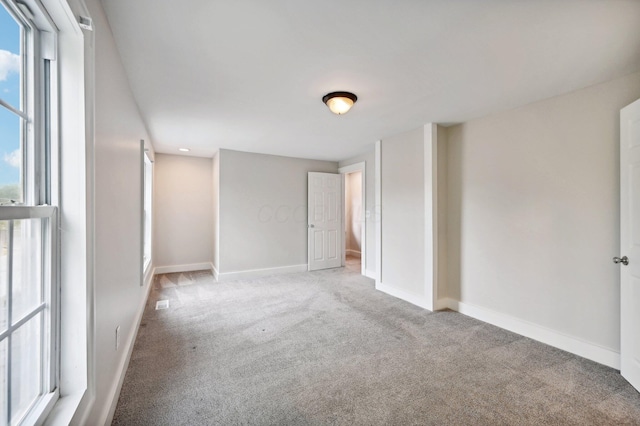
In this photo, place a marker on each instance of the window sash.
(37, 49)
(48, 306)
(24, 110)
(147, 214)
(27, 212)
(13, 110)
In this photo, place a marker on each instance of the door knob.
(312, 226)
(624, 260)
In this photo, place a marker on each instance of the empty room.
(309, 213)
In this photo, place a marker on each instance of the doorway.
(354, 217)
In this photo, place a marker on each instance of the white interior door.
(325, 224)
(629, 259)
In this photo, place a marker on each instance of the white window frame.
(38, 145)
(147, 211)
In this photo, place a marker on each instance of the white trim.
(216, 210)
(215, 272)
(412, 298)
(363, 209)
(542, 334)
(182, 268)
(142, 218)
(147, 179)
(354, 253)
(74, 127)
(64, 410)
(370, 274)
(430, 168)
(149, 274)
(343, 223)
(114, 393)
(352, 168)
(38, 414)
(256, 273)
(377, 212)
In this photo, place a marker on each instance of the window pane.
(10, 59)
(27, 267)
(10, 157)
(148, 179)
(25, 368)
(4, 274)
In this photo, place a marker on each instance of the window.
(147, 222)
(28, 221)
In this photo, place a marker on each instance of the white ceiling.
(249, 75)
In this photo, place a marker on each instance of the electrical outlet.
(117, 337)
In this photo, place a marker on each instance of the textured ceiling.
(250, 74)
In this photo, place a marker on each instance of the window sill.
(64, 410)
(42, 409)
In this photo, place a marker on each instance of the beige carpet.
(325, 348)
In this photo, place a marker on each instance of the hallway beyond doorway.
(352, 263)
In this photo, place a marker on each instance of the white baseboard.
(354, 253)
(256, 273)
(370, 274)
(183, 268)
(414, 299)
(214, 270)
(542, 334)
(114, 393)
(148, 275)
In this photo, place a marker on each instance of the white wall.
(183, 213)
(402, 212)
(533, 212)
(353, 212)
(442, 290)
(407, 233)
(368, 158)
(263, 210)
(119, 298)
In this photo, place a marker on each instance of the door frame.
(357, 167)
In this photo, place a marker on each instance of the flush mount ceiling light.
(184, 149)
(339, 102)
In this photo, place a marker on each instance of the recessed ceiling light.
(184, 149)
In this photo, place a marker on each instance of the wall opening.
(354, 220)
